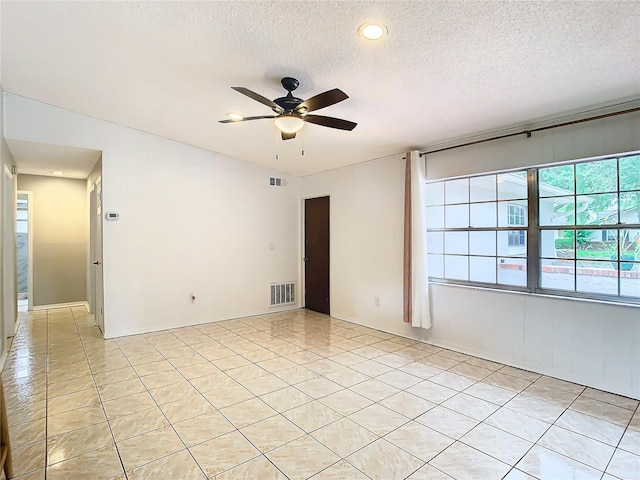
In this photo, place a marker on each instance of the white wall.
(586, 342)
(8, 279)
(8, 299)
(4, 154)
(60, 238)
(9, 248)
(191, 221)
(590, 139)
(590, 343)
(366, 244)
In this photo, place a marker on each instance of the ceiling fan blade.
(247, 118)
(259, 98)
(330, 122)
(288, 136)
(322, 100)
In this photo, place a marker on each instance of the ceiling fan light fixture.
(236, 117)
(292, 113)
(289, 123)
(372, 31)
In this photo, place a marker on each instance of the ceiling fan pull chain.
(302, 155)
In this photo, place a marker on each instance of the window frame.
(500, 226)
(533, 231)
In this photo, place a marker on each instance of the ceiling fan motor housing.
(288, 103)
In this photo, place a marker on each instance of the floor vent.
(283, 293)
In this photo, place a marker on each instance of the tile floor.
(295, 395)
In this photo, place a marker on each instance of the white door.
(98, 295)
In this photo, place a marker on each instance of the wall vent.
(283, 293)
(277, 182)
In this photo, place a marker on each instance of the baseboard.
(543, 370)
(148, 329)
(61, 305)
(562, 375)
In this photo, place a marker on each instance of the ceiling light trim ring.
(373, 30)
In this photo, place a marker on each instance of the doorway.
(96, 295)
(316, 254)
(24, 251)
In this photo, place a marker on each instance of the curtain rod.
(529, 132)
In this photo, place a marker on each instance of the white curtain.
(419, 314)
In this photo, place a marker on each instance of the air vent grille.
(277, 182)
(283, 293)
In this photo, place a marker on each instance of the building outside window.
(517, 218)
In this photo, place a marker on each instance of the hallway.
(295, 395)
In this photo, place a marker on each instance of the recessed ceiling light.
(372, 31)
(234, 116)
(57, 173)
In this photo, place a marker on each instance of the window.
(473, 226)
(586, 229)
(517, 217)
(612, 235)
(516, 239)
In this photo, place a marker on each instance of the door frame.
(96, 248)
(9, 252)
(91, 281)
(29, 195)
(301, 252)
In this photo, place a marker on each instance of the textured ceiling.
(445, 70)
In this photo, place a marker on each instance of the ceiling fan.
(292, 112)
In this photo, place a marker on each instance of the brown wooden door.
(316, 252)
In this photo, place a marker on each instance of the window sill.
(539, 294)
